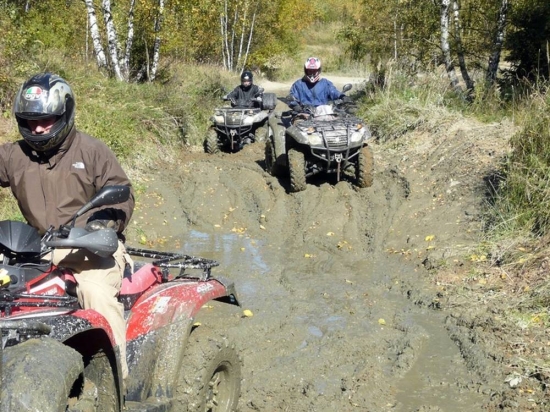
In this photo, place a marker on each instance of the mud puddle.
(332, 327)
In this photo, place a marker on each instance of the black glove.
(103, 219)
(94, 225)
(346, 99)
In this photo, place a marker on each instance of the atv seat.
(134, 284)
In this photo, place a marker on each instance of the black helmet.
(246, 78)
(45, 95)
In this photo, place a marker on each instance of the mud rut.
(341, 322)
(337, 324)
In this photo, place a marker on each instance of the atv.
(330, 139)
(59, 357)
(236, 126)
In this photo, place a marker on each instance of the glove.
(347, 99)
(94, 225)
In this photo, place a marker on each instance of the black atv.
(236, 126)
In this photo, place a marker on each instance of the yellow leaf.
(262, 227)
(330, 234)
(197, 324)
(429, 238)
(248, 313)
(381, 321)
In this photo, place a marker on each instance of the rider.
(311, 89)
(52, 172)
(244, 94)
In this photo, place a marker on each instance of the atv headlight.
(357, 136)
(315, 139)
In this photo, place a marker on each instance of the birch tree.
(94, 34)
(445, 48)
(235, 32)
(112, 39)
(460, 49)
(156, 46)
(130, 38)
(494, 58)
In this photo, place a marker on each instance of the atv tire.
(271, 165)
(297, 170)
(28, 369)
(269, 101)
(364, 169)
(211, 143)
(210, 375)
(27, 381)
(260, 134)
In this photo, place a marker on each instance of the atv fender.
(269, 101)
(278, 138)
(297, 135)
(155, 358)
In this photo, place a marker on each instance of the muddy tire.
(260, 134)
(364, 169)
(96, 386)
(210, 376)
(297, 170)
(28, 385)
(269, 101)
(271, 165)
(211, 142)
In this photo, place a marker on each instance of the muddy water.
(332, 326)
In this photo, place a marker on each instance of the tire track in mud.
(333, 328)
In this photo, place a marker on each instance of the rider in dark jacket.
(243, 95)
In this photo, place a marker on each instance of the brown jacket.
(50, 191)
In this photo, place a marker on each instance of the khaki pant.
(98, 285)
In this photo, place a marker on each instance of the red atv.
(59, 357)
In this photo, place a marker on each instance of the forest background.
(147, 74)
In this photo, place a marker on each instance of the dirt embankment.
(340, 281)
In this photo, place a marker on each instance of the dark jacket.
(242, 97)
(50, 191)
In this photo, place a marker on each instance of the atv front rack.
(180, 261)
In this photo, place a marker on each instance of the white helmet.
(312, 69)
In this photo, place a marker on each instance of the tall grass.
(523, 195)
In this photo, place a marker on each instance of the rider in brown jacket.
(55, 170)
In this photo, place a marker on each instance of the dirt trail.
(344, 318)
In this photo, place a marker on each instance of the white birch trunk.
(224, 41)
(445, 48)
(494, 59)
(156, 46)
(232, 42)
(460, 49)
(249, 40)
(130, 39)
(241, 42)
(94, 33)
(111, 39)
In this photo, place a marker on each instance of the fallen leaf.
(429, 238)
(381, 321)
(247, 313)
